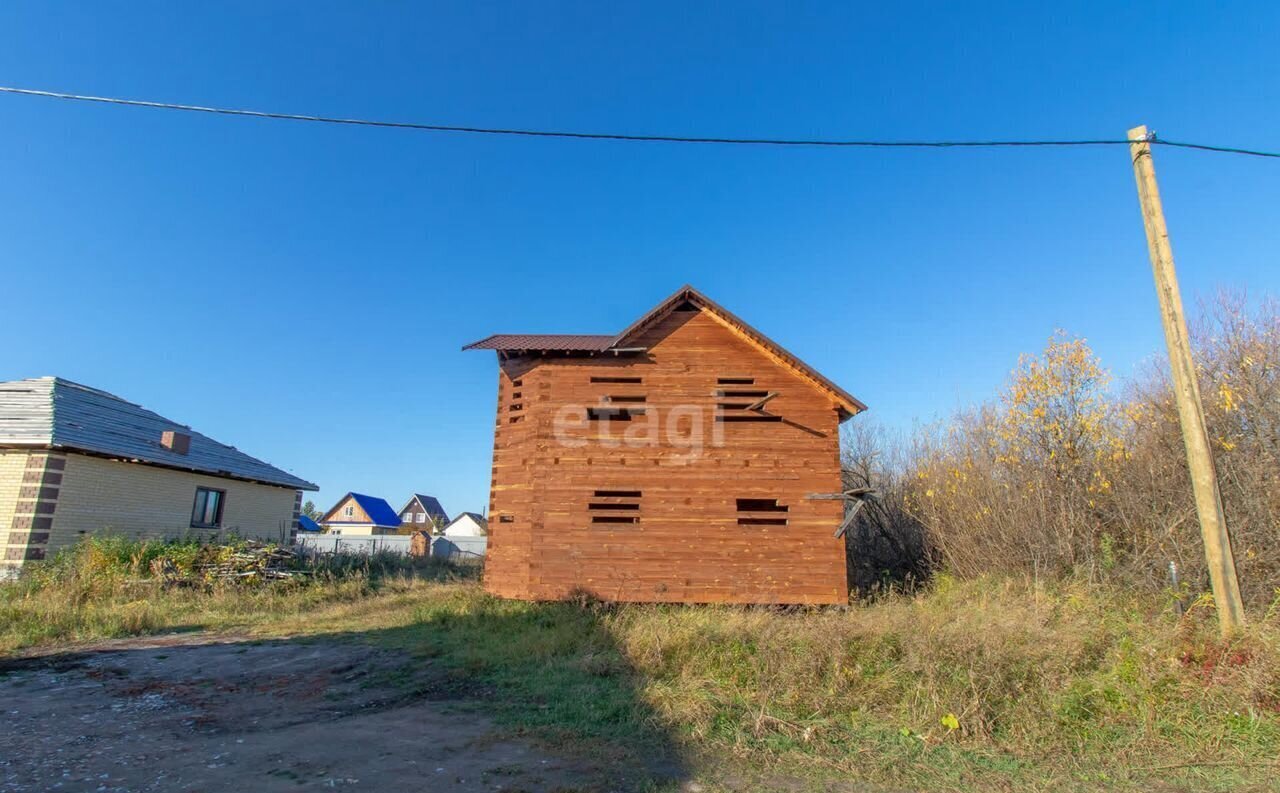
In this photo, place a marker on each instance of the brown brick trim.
(41, 476)
(41, 492)
(52, 461)
(32, 522)
(297, 510)
(35, 507)
(28, 538)
(33, 513)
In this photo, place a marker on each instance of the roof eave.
(300, 484)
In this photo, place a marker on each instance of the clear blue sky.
(302, 291)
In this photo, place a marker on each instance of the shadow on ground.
(502, 696)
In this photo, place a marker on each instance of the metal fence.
(460, 548)
(442, 547)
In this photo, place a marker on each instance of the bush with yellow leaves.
(1064, 475)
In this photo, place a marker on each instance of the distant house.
(306, 523)
(75, 460)
(467, 524)
(357, 514)
(422, 512)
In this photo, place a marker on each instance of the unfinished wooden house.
(673, 461)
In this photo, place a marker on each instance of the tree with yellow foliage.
(1020, 481)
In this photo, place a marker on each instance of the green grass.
(991, 684)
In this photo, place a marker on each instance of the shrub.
(1064, 476)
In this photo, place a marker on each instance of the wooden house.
(422, 512)
(356, 514)
(674, 461)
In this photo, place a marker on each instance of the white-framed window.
(349, 511)
(422, 517)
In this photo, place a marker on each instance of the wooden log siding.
(682, 537)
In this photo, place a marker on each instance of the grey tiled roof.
(57, 413)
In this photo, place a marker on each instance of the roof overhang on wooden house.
(621, 343)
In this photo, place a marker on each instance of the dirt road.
(176, 714)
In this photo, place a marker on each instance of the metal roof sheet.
(379, 511)
(570, 342)
(57, 413)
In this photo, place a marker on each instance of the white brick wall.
(145, 501)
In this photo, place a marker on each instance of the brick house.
(75, 460)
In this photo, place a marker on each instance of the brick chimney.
(177, 442)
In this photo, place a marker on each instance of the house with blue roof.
(356, 514)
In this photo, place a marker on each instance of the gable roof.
(50, 412)
(429, 505)
(478, 519)
(379, 511)
(849, 405)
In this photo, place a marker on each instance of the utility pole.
(1186, 391)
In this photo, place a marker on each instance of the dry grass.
(981, 683)
(991, 683)
(103, 588)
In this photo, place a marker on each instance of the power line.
(536, 133)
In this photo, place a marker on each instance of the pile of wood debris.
(246, 563)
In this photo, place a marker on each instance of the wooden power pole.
(1204, 480)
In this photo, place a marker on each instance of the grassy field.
(992, 684)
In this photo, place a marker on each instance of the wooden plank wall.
(358, 515)
(687, 542)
